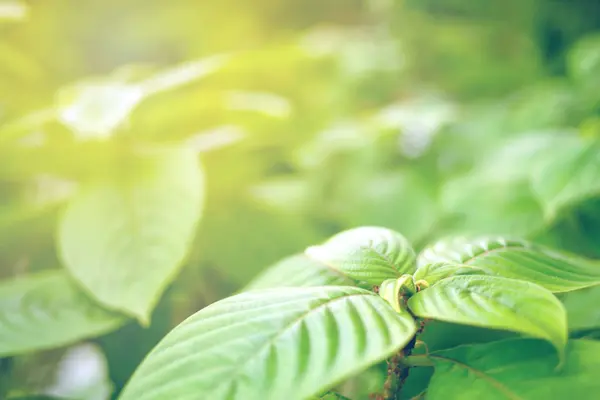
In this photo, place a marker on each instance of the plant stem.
(398, 368)
(397, 372)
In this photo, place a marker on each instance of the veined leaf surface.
(289, 343)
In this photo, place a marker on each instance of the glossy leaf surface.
(289, 343)
(516, 259)
(496, 303)
(367, 254)
(298, 271)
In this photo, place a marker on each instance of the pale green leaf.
(557, 272)
(367, 254)
(273, 344)
(298, 271)
(45, 310)
(516, 369)
(394, 291)
(124, 238)
(496, 303)
(569, 177)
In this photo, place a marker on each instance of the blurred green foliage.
(429, 117)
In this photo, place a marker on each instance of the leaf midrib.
(241, 365)
(490, 251)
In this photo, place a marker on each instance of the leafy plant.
(304, 338)
(150, 170)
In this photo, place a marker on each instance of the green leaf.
(394, 291)
(123, 239)
(298, 271)
(367, 254)
(516, 211)
(431, 273)
(272, 344)
(45, 310)
(584, 64)
(518, 259)
(399, 199)
(516, 369)
(496, 303)
(582, 309)
(330, 396)
(569, 177)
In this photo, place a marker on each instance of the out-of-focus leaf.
(366, 254)
(497, 303)
(502, 182)
(124, 238)
(289, 195)
(321, 334)
(216, 138)
(96, 109)
(546, 105)
(584, 64)
(569, 175)
(183, 74)
(399, 200)
(266, 234)
(14, 10)
(299, 271)
(472, 199)
(518, 259)
(46, 310)
(265, 103)
(582, 308)
(515, 369)
(26, 125)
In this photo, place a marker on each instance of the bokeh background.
(309, 117)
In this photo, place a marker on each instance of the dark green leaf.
(516, 369)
